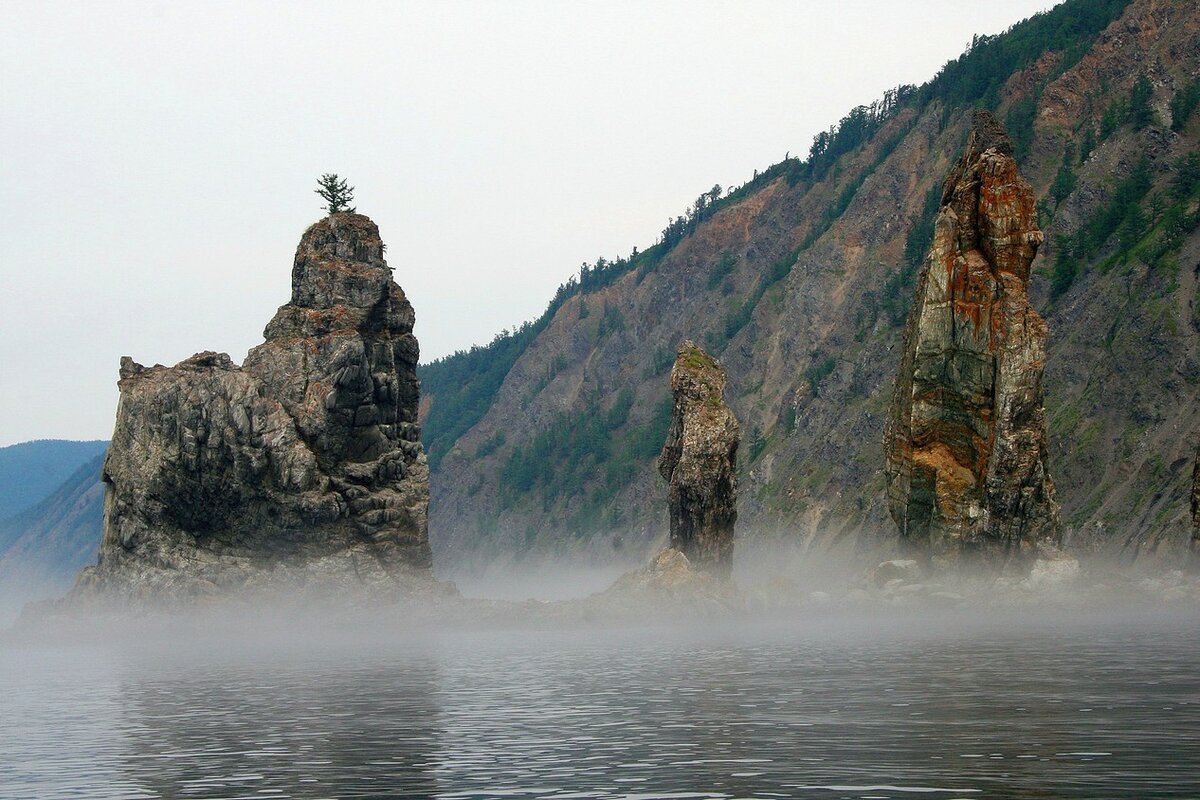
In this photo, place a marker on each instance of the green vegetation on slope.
(1183, 105)
(1133, 223)
(463, 386)
(977, 76)
(581, 455)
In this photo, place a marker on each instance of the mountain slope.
(48, 544)
(800, 281)
(30, 471)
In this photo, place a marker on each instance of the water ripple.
(769, 712)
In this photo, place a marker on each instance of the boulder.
(906, 570)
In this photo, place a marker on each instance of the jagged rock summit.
(965, 442)
(699, 461)
(302, 466)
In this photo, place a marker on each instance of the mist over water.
(868, 703)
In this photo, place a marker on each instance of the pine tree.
(1064, 181)
(1183, 104)
(1141, 113)
(1089, 142)
(336, 194)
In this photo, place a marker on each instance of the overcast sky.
(159, 159)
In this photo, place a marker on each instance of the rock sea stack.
(302, 467)
(1196, 505)
(699, 462)
(965, 440)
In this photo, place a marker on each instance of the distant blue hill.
(43, 548)
(31, 471)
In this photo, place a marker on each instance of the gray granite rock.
(303, 467)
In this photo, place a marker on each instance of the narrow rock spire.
(965, 442)
(1196, 506)
(699, 462)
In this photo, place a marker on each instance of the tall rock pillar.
(965, 440)
(699, 462)
(1196, 511)
(301, 467)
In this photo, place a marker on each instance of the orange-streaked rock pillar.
(965, 443)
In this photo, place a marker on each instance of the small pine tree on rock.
(336, 194)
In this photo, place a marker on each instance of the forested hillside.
(800, 281)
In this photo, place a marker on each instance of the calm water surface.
(893, 707)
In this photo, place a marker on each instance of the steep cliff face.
(302, 465)
(699, 462)
(800, 283)
(965, 442)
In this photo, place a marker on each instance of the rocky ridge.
(302, 466)
(966, 443)
(811, 362)
(699, 462)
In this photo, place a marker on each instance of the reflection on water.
(309, 729)
(894, 708)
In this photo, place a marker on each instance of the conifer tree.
(1141, 113)
(336, 194)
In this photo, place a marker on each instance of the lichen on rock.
(699, 462)
(304, 465)
(965, 442)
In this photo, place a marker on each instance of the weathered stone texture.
(304, 464)
(1196, 502)
(966, 433)
(699, 462)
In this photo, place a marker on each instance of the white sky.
(159, 159)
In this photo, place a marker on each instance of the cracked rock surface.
(301, 467)
(965, 443)
(699, 462)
